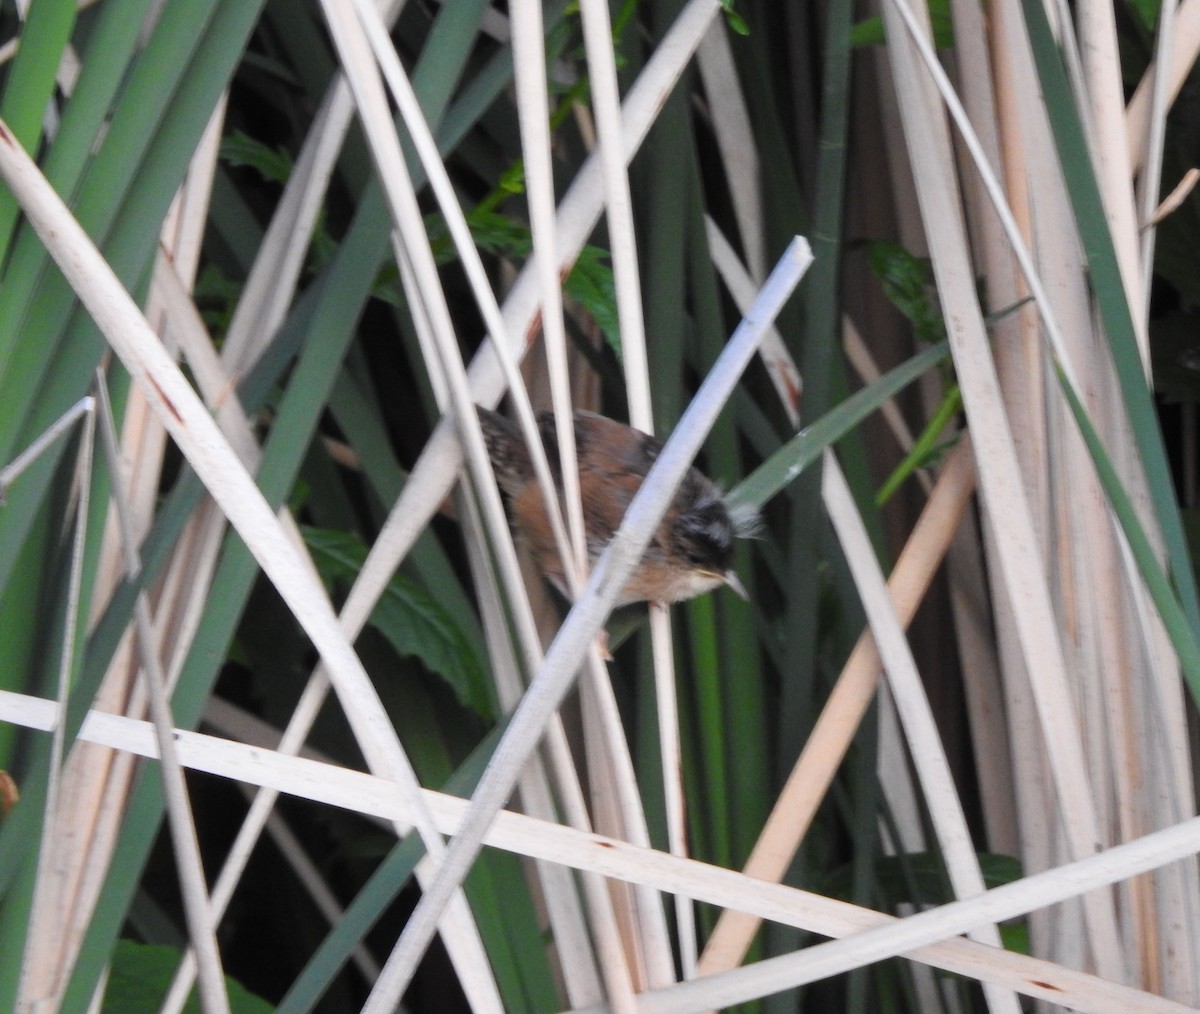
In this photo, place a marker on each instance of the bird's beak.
(731, 579)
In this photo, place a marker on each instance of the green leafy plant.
(290, 419)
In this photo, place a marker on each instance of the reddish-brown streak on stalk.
(1044, 985)
(535, 326)
(4, 133)
(793, 389)
(166, 401)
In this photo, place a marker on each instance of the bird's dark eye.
(705, 536)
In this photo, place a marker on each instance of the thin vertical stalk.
(556, 675)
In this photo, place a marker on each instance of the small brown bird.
(690, 553)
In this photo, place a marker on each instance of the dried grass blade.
(839, 721)
(1000, 479)
(189, 423)
(367, 794)
(553, 680)
(912, 706)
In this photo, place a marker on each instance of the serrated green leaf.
(274, 164)
(412, 620)
(512, 180)
(908, 284)
(141, 975)
(500, 234)
(736, 22)
(591, 285)
(590, 282)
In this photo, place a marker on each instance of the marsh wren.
(691, 552)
